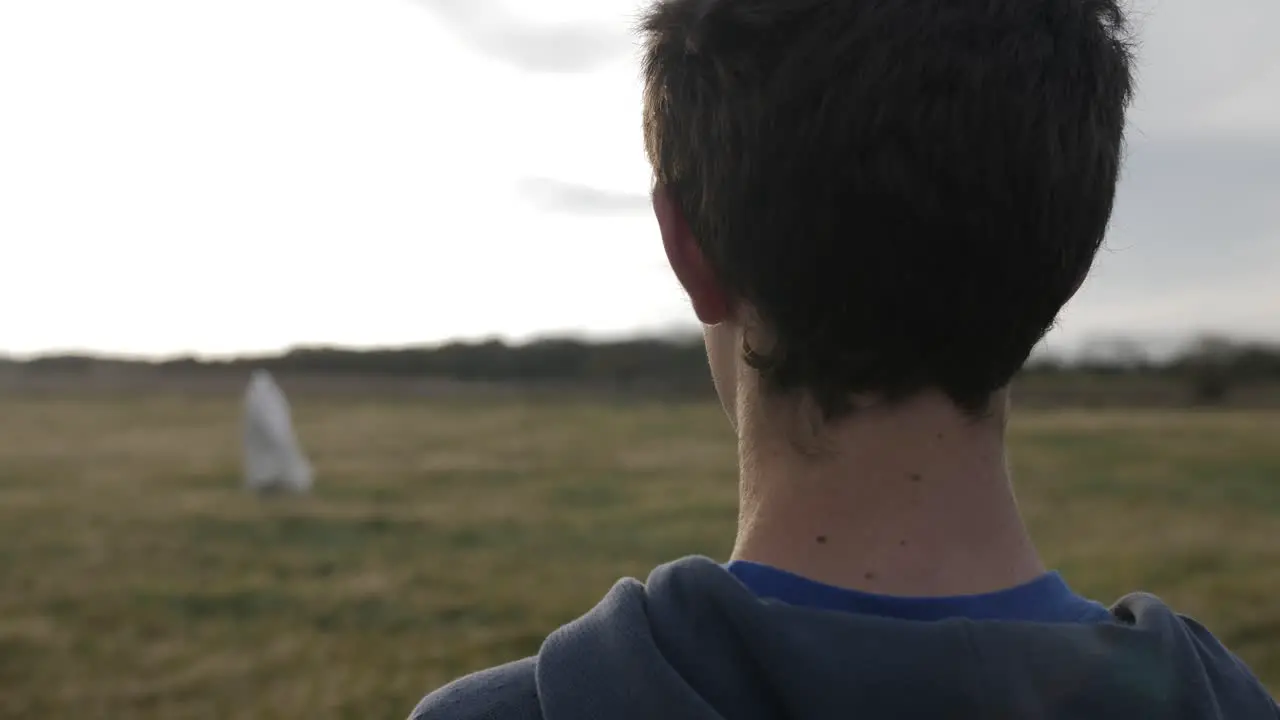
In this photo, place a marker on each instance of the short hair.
(906, 192)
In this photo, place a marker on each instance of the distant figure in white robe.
(273, 459)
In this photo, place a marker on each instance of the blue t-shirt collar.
(1047, 598)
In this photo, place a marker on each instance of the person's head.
(880, 198)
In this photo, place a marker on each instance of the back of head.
(905, 192)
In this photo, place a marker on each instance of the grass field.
(138, 580)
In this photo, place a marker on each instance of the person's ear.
(710, 302)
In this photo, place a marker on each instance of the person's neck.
(908, 500)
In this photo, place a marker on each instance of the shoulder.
(1231, 681)
(506, 692)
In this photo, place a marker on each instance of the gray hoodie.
(695, 644)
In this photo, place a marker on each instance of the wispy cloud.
(576, 198)
(559, 47)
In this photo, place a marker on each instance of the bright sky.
(246, 175)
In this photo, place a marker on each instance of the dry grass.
(137, 580)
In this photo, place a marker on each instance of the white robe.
(273, 459)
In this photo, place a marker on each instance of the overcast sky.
(246, 175)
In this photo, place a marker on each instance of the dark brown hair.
(906, 191)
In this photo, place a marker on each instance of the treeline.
(678, 364)
(1209, 368)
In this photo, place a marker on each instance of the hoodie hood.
(695, 644)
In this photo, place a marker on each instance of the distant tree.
(1114, 354)
(1207, 365)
